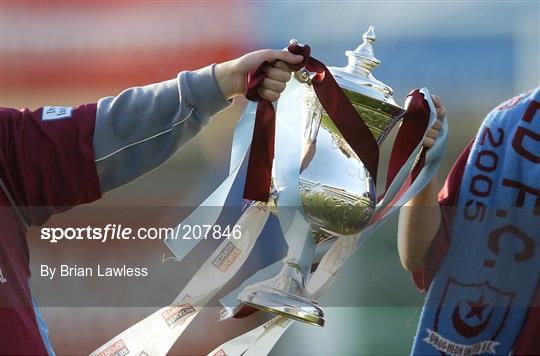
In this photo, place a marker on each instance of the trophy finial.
(363, 55)
(369, 35)
(357, 75)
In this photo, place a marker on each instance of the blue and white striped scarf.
(478, 300)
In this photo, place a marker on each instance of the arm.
(48, 157)
(419, 221)
(142, 127)
(420, 218)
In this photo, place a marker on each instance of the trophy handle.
(302, 75)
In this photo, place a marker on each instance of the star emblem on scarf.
(476, 308)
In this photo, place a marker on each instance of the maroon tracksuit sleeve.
(47, 159)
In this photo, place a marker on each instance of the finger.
(432, 133)
(438, 106)
(281, 75)
(278, 74)
(437, 124)
(282, 65)
(273, 85)
(440, 112)
(436, 100)
(428, 142)
(272, 55)
(268, 94)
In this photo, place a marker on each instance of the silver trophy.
(337, 192)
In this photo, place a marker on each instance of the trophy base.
(285, 295)
(284, 304)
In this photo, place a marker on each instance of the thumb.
(272, 55)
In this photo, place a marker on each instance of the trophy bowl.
(337, 192)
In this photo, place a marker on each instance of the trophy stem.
(285, 295)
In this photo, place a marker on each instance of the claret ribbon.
(335, 103)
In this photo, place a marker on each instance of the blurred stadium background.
(472, 54)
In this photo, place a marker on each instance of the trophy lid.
(357, 76)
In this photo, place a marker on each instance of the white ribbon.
(156, 334)
(208, 212)
(288, 151)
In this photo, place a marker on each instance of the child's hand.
(231, 75)
(433, 132)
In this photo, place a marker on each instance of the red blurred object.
(116, 68)
(51, 44)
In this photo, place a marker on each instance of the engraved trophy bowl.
(337, 192)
